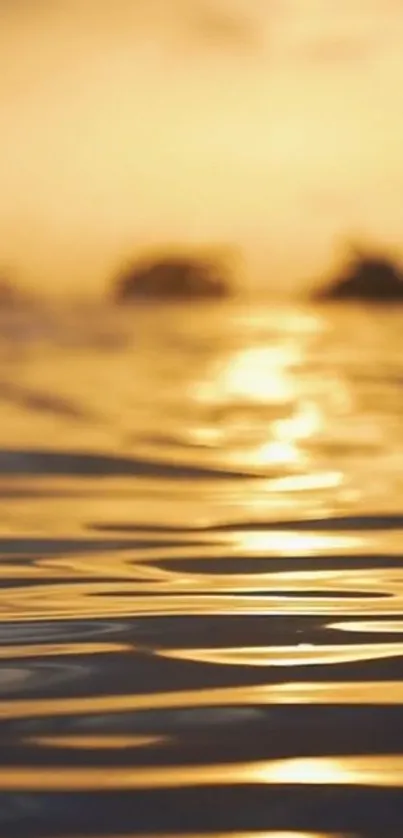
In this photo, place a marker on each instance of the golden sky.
(275, 124)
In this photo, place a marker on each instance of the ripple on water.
(201, 581)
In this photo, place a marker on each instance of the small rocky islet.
(172, 278)
(366, 277)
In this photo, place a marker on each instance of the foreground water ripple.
(201, 575)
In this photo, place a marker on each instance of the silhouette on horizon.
(13, 296)
(367, 277)
(171, 278)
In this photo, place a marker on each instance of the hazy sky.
(275, 124)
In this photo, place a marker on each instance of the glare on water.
(201, 579)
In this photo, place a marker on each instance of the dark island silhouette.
(367, 277)
(13, 297)
(172, 278)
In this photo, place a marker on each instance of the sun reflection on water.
(217, 582)
(372, 771)
(260, 374)
(286, 542)
(267, 406)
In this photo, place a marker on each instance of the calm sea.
(201, 575)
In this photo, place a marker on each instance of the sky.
(275, 126)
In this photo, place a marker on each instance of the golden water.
(201, 575)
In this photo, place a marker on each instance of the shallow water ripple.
(201, 624)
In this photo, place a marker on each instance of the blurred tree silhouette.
(366, 276)
(172, 278)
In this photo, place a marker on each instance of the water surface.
(201, 576)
